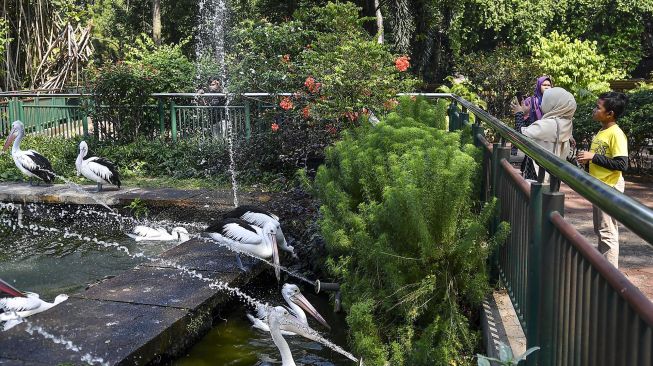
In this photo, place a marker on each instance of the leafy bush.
(574, 65)
(637, 123)
(403, 239)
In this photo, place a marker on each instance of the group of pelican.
(36, 166)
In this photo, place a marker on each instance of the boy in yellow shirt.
(608, 158)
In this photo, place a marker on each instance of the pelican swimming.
(30, 162)
(242, 236)
(259, 217)
(296, 301)
(99, 170)
(17, 305)
(144, 233)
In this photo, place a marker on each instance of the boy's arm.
(617, 163)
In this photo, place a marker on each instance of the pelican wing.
(241, 234)
(17, 304)
(104, 169)
(252, 214)
(37, 164)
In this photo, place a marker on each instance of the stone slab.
(158, 196)
(500, 323)
(8, 362)
(119, 333)
(224, 199)
(159, 286)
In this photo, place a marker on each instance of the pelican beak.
(9, 289)
(10, 140)
(275, 257)
(300, 300)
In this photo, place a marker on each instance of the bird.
(258, 216)
(144, 233)
(242, 236)
(16, 305)
(30, 162)
(296, 301)
(100, 170)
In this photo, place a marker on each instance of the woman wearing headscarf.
(554, 130)
(528, 111)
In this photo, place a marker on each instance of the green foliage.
(138, 208)
(497, 75)
(574, 65)
(506, 358)
(4, 38)
(402, 237)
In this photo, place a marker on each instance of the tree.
(156, 21)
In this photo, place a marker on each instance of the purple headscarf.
(536, 112)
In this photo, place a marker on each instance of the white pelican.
(142, 233)
(296, 301)
(245, 237)
(30, 162)
(20, 305)
(259, 217)
(99, 170)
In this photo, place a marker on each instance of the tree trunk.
(156, 21)
(379, 21)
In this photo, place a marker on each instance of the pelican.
(20, 305)
(259, 217)
(141, 233)
(242, 236)
(296, 301)
(30, 162)
(99, 170)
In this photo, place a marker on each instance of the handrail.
(634, 215)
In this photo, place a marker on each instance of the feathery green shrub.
(405, 239)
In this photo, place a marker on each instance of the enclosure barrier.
(571, 302)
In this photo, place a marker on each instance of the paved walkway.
(635, 255)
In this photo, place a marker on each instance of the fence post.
(551, 201)
(452, 111)
(477, 130)
(248, 121)
(534, 262)
(173, 120)
(84, 108)
(162, 127)
(463, 118)
(11, 109)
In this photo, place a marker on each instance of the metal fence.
(570, 300)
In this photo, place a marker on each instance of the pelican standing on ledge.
(242, 236)
(99, 170)
(296, 301)
(16, 305)
(30, 162)
(259, 217)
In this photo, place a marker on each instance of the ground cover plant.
(406, 238)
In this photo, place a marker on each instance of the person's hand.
(584, 156)
(516, 107)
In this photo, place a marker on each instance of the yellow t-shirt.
(610, 142)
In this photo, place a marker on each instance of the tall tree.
(156, 21)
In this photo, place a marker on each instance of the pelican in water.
(297, 303)
(144, 233)
(16, 305)
(281, 320)
(30, 162)
(259, 217)
(100, 170)
(242, 236)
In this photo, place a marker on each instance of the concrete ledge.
(139, 317)
(501, 324)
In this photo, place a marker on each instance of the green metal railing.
(571, 302)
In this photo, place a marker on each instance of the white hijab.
(555, 128)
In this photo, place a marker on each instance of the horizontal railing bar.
(626, 210)
(523, 185)
(629, 292)
(485, 142)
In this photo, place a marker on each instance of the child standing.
(608, 158)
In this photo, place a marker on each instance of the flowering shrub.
(402, 63)
(286, 103)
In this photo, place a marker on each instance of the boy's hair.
(614, 102)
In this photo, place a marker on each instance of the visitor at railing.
(527, 111)
(608, 159)
(554, 130)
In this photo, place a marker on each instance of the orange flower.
(402, 64)
(275, 127)
(286, 103)
(331, 129)
(390, 104)
(311, 85)
(306, 112)
(285, 58)
(352, 116)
